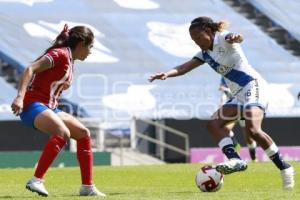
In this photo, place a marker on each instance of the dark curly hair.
(207, 22)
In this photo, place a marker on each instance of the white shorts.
(253, 94)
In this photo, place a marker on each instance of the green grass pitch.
(171, 181)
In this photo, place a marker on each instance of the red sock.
(52, 148)
(85, 158)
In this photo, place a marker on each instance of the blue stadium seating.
(283, 13)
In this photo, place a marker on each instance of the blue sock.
(252, 152)
(273, 153)
(234, 140)
(230, 152)
(279, 162)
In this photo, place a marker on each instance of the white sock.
(87, 186)
(252, 145)
(36, 179)
(273, 149)
(225, 141)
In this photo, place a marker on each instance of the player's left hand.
(234, 38)
(298, 96)
(17, 106)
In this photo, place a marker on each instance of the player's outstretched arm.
(234, 38)
(177, 71)
(39, 65)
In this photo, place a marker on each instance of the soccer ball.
(208, 179)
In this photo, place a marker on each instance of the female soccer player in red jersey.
(39, 90)
(221, 50)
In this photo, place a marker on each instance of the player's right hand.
(159, 76)
(17, 106)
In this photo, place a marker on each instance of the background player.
(39, 90)
(220, 49)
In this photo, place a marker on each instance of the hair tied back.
(66, 29)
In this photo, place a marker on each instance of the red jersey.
(47, 86)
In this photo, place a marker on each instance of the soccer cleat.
(287, 176)
(232, 165)
(37, 185)
(90, 190)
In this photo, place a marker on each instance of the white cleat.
(232, 165)
(90, 190)
(287, 176)
(37, 185)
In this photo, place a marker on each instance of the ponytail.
(206, 22)
(62, 38)
(71, 37)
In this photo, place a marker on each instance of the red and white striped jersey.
(47, 86)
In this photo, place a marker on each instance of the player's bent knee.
(65, 133)
(86, 133)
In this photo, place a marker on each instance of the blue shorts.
(35, 108)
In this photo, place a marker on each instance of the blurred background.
(131, 120)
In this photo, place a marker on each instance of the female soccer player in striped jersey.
(221, 50)
(39, 90)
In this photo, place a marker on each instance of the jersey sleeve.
(55, 56)
(199, 56)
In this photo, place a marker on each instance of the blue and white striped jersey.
(230, 61)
